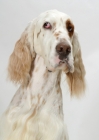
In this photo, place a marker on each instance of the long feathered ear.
(76, 80)
(22, 57)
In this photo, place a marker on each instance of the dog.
(48, 46)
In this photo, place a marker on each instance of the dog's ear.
(21, 59)
(76, 80)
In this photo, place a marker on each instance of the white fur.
(36, 110)
(47, 122)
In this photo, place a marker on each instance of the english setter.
(48, 46)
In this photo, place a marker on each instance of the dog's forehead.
(54, 14)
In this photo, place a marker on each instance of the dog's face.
(53, 40)
(53, 37)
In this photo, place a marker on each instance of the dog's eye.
(47, 25)
(70, 29)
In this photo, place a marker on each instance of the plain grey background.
(81, 115)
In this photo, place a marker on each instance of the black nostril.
(60, 49)
(68, 50)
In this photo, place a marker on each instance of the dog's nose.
(63, 49)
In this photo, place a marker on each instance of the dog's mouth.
(66, 64)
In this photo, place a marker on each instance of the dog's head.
(52, 35)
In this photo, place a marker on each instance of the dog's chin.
(65, 66)
(62, 65)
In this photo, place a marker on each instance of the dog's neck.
(43, 80)
(43, 91)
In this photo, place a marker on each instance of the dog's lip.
(65, 61)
